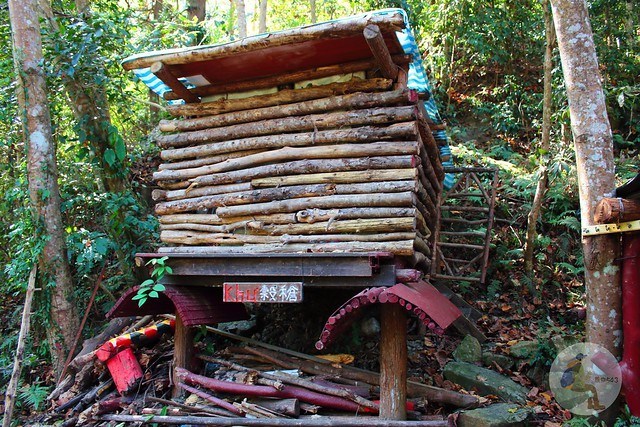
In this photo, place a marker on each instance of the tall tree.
(43, 175)
(314, 16)
(543, 174)
(242, 18)
(593, 144)
(262, 17)
(197, 9)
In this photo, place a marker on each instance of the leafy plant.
(150, 287)
(34, 395)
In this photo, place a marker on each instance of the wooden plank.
(163, 72)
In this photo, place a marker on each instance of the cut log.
(285, 96)
(190, 238)
(375, 40)
(309, 166)
(404, 247)
(282, 193)
(405, 199)
(337, 177)
(285, 78)
(213, 219)
(323, 105)
(160, 195)
(387, 148)
(209, 160)
(311, 122)
(610, 210)
(317, 215)
(163, 72)
(371, 225)
(398, 131)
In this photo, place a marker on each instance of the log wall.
(342, 167)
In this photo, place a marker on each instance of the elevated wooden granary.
(306, 157)
(315, 139)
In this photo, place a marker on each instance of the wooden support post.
(373, 36)
(182, 353)
(393, 362)
(162, 72)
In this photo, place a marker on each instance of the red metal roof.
(196, 305)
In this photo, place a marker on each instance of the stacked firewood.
(348, 166)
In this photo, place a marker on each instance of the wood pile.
(349, 166)
(252, 384)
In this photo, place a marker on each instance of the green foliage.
(34, 395)
(150, 287)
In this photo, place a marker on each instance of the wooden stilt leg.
(183, 351)
(393, 362)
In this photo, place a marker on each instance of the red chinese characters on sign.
(278, 292)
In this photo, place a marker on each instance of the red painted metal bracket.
(419, 298)
(196, 305)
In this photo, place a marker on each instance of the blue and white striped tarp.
(417, 80)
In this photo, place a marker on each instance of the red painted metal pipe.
(630, 365)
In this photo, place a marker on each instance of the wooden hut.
(306, 157)
(315, 139)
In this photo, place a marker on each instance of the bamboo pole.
(308, 166)
(322, 105)
(311, 122)
(387, 148)
(12, 387)
(285, 96)
(336, 201)
(337, 177)
(402, 248)
(285, 78)
(398, 131)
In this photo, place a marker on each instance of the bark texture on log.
(612, 209)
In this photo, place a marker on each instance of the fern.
(33, 395)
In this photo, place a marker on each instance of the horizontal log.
(338, 201)
(280, 193)
(398, 131)
(191, 238)
(213, 219)
(323, 105)
(616, 210)
(360, 421)
(404, 247)
(387, 148)
(318, 215)
(286, 78)
(369, 116)
(336, 177)
(162, 194)
(309, 166)
(207, 160)
(285, 96)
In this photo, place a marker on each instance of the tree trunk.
(197, 9)
(262, 19)
(543, 178)
(314, 16)
(242, 18)
(90, 107)
(594, 159)
(43, 175)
